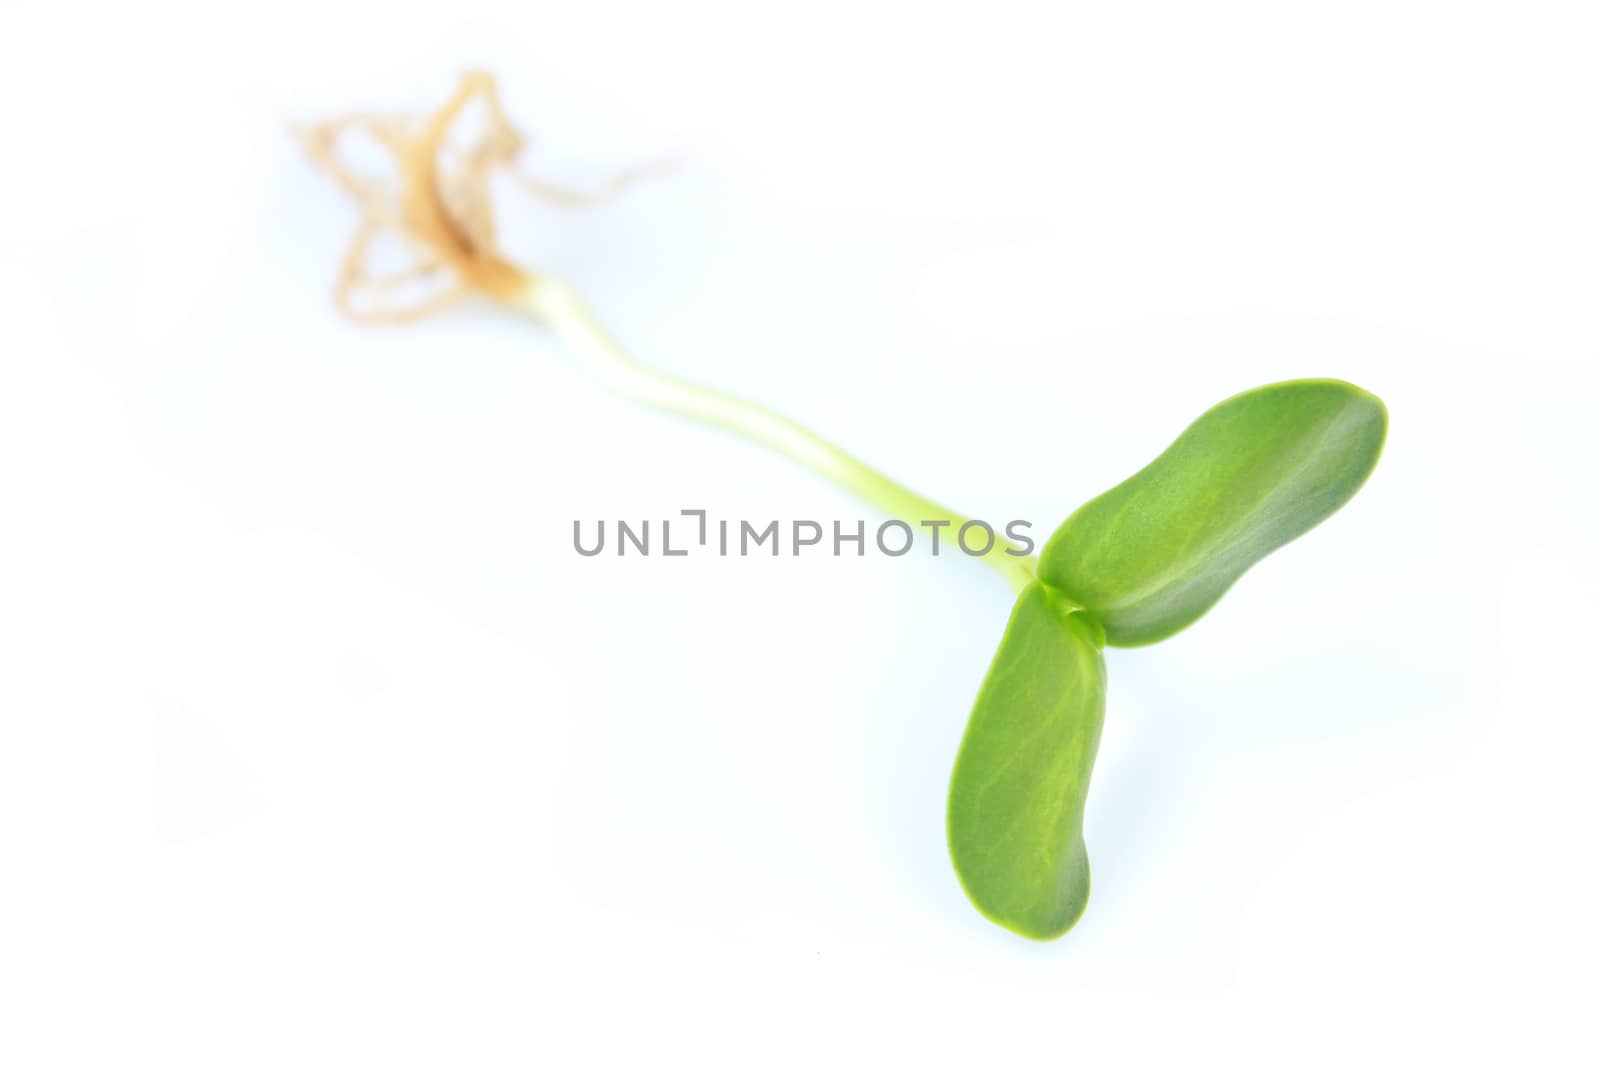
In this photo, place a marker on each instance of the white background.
(320, 745)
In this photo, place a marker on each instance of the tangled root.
(437, 204)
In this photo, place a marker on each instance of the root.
(437, 207)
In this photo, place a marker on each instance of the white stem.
(559, 307)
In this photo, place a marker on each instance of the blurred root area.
(426, 238)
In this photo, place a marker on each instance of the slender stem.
(558, 306)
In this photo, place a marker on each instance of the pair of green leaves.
(1131, 567)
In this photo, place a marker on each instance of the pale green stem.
(559, 307)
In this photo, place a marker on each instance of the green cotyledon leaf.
(1015, 816)
(1152, 555)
